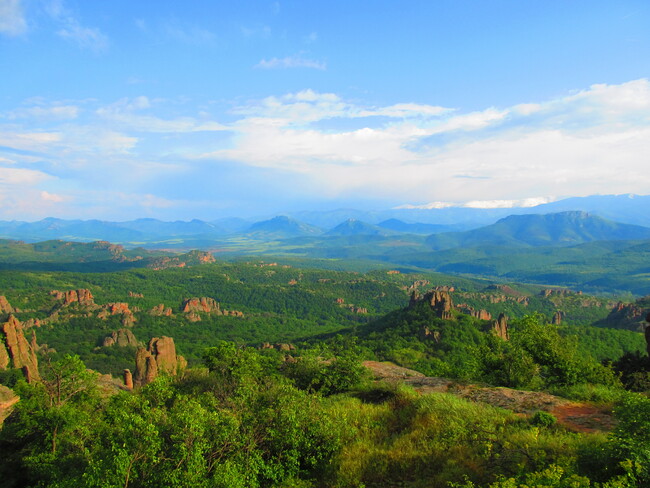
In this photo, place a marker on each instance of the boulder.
(128, 379)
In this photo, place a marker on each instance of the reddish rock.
(203, 304)
(500, 327)
(558, 316)
(16, 352)
(128, 379)
(159, 357)
(193, 317)
(5, 307)
(82, 297)
(135, 295)
(161, 311)
(441, 302)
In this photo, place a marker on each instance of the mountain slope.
(281, 227)
(354, 227)
(558, 229)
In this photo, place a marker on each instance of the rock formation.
(558, 316)
(135, 295)
(627, 316)
(16, 352)
(159, 357)
(161, 311)
(438, 299)
(82, 297)
(203, 304)
(500, 327)
(478, 314)
(5, 307)
(116, 309)
(128, 379)
(120, 338)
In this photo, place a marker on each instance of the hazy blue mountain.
(414, 228)
(560, 229)
(353, 227)
(281, 227)
(157, 228)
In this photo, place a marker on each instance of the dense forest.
(285, 375)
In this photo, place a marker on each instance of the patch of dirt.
(580, 417)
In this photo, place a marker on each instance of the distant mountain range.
(152, 233)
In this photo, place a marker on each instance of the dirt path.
(580, 417)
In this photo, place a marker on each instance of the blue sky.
(204, 109)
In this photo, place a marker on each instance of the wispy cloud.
(291, 62)
(72, 30)
(53, 112)
(12, 18)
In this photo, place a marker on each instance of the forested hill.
(560, 229)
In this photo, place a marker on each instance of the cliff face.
(16, 351)
(159, 357)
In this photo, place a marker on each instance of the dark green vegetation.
(243, 416)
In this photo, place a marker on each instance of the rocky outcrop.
(438, 299)
(82, 297)
(118, 308)
(500, 327)
(120, 338)
(477, 314)
(16, 352)
(5, 307)
(161, 311)
(627, 316)
(441, 302)
(203, 304)
(158, 358)
(193, 307)
(135, 295)
(558, 317)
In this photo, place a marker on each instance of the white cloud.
(124, 113)
(72, 30)
(21, 176)
(52, 197)
(56, 112)
(85, 37)
(592, 141)
(291, 62)
(12, 19)
(29, 141)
